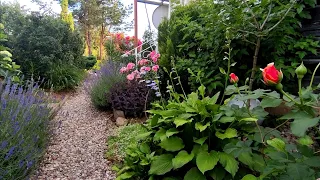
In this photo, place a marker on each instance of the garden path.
(77, 146)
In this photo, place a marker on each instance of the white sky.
(142, 15)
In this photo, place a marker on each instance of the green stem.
(314, 73)
(228, 72)
(289, 97)
(300, 91)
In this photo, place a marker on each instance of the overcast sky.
(142, 15)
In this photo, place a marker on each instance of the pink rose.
(154, 56)
(130, 77)
(155, 68)
(123, 70)
(147, 68)
(130, 66)
(143, 62)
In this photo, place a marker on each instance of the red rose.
(233, 78)
(271, 76)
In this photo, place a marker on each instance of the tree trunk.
(254, 64)
(88, 41)
(101, 41)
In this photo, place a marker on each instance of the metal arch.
(155, 2)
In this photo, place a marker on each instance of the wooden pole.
(136, 22)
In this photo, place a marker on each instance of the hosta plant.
(194, 137)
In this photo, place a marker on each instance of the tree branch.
(274, 26)
(265, 21)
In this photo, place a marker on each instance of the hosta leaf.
(144, 135)
(218, 173)
(194, 174)
(201, 127)
(180, 121)
(160, 135)
(144, 147)
(277, 144)
(171, 132)
(229, 133)
(161, 165)
(226, 119)
(172, 143)
(298, 171)
(270, 102)
(181, 159)
(126, 175)
(246, 159)
(249, 177)
(229, 163)
(201, 140)
(207, 161)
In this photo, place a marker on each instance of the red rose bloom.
(271, 76)
(233, 78)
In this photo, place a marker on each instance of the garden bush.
(90, 61)
(195, 137)
(44, 47)
(194, 38)
(24, 119)
(124, 138)
(100, 84)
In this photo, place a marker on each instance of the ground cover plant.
(124, 137)
(24, 119)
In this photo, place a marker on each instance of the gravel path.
(76, 149)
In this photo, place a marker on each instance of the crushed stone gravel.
(78, 142)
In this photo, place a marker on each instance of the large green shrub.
(194, 38)
(45, 47)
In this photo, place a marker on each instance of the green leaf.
(297, 171)
(144, 147)
(300, 125)
(162, 164)
(201, 127)
(218, 173)
(160, 135)
(306, 140)
(313, 161)
(233, 64)
(154, 120)
(171, 131)
(213, 99)
(173, 143)
(201, 140)
(222, 71)
(207, 161)
(246, 159)
(202, 90)
(229, 163)
(126, 175)
(229, 133)
(250, 119)
(249, 177)
(226, 119)
(270, 102)
(181, 159)
(277, 144)
(144, 135)
(194, 174)
(180, 121)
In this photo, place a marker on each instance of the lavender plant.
(99, 83)
(24, 118)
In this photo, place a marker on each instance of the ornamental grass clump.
(24, 116)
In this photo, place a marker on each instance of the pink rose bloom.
(143, 62)
(123, 70)
(130, 66)
(130, 77)
(136, 72)
(147, 68)
(154, 56)
(138, 76)
(155, 68)
(127, 52)
(127, 39)
(139, 42)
